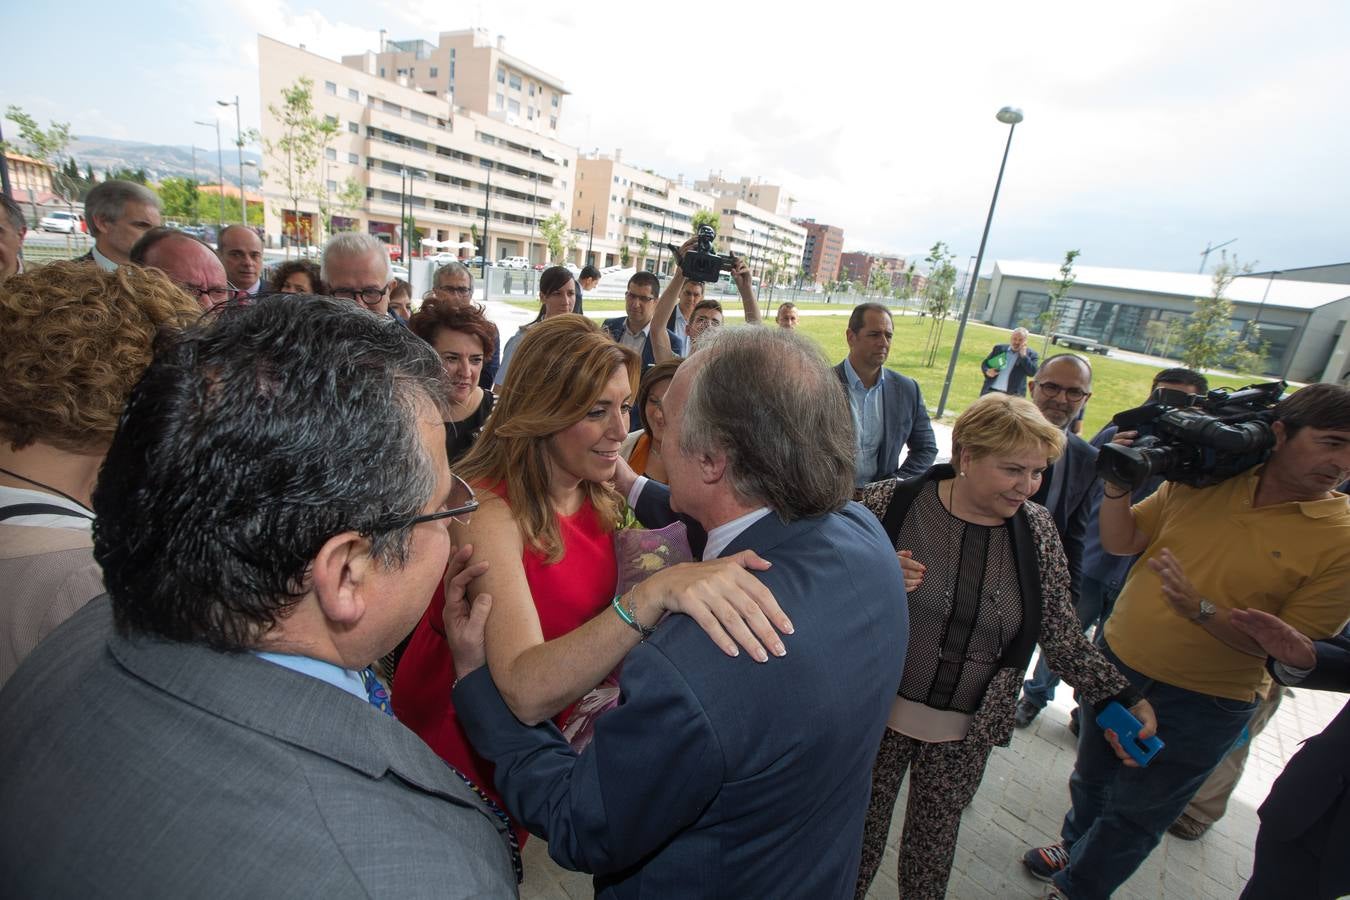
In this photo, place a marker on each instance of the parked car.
(64, 222)
(476, 262)
(513, 262)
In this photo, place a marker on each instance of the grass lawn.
(1116, 384)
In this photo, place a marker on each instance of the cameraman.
(673, 297)
(1274, 538)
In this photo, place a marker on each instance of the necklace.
(45, 487)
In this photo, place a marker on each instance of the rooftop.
(1283, 294)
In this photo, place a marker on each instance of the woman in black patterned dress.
(987, 582)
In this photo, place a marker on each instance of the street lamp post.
(220, 171)
(239, 148)
(1009, 116)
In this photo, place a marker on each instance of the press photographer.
(1273, 537)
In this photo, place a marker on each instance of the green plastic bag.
(997, 361)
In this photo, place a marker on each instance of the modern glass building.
(1304, 323)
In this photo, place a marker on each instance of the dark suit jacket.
(1075, 503)
(1310, 801)
(719, 776)
(146, 768)
(1023, 367)
(905, 421)
(616, 328)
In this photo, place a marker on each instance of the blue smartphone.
(1119, 719)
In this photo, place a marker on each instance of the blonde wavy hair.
(998, 423)
(76, 339)
(556, 375)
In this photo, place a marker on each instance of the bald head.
(191, 265)
(240, 251)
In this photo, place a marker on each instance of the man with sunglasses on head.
(356, 268)
(272, 519)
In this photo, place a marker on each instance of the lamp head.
(1009, 115)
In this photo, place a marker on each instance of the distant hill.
(160, 160)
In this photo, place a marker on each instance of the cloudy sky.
(1152, 129)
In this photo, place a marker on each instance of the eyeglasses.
(629, 295)
(214, 294)
(370, 296)
(457, 291)
(460, 506)
(1050, 389)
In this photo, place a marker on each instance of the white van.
(514, 262)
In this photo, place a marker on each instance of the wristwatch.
(1207, 611)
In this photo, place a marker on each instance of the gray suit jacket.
(905, 424)
(145, 768)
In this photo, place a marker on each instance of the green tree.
(473, 236)
(938, 296)
(706, 217)
(43, 144)
(879, 281)
(178, 198)
(299, 149)
(1048, 320)
(337, 203)
(1209, 338)
(625, 256)
(644, 246)
(139, 176)
(553, 230)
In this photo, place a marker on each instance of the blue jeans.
(1119, 813)
(1095, 601)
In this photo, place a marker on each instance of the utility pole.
(487, 208)
(239, 148)
(590, 240)
(220, 170)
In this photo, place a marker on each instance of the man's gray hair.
(451, 268)
(109, 200)
(349, 244)
(1022, 331)
(768, 399)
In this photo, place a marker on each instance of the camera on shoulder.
(1193, 439)
(702, 263)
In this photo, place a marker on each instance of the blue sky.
(1150, 130)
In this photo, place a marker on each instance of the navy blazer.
(1309, 804)
(616, 328)
(1023, 367)
(720, 776)
(905, 423)
(1075, 503)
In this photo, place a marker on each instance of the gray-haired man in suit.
(213, 728)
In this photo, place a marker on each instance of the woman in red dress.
(541, 468)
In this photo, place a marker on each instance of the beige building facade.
(772, 197)
(405, 144)
(773, 244)
(617, 204)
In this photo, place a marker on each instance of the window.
(501, 75)
(330, 88)
(412, 73)
(530, 113)
(555, 101)
(552, 121)
(353, 159)
(329, 153)
(391, 108)
(332, 186)
(354, 127)
(513, 107)
(515, 82)
(331, 120)
(353, 95)
(501, 101)
(401, 72)
(382, 72)
(531, 88)
(434, 72)
(418, 117)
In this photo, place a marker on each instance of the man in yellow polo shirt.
(1274, 538)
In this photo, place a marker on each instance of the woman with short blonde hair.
(986, 580)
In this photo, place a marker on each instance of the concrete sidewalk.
(1022, 800)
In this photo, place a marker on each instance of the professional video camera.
(1194, 439)
(701, 263)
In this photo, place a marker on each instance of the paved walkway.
(1023, 798)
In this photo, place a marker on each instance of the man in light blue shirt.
(888, 410)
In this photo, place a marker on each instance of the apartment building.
(772, 197)
(824, 246)
(473, 72)
(772, 243)
(616, 205)
(458, 169)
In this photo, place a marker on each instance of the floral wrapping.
(640, 553)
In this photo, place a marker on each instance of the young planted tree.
(644, 246)
(553, 229)
(625, 256)
(338, 203)
(1209, 337)
(938, 298)
(1048, 320)
(299, 149)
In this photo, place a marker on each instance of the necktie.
(379, 698)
